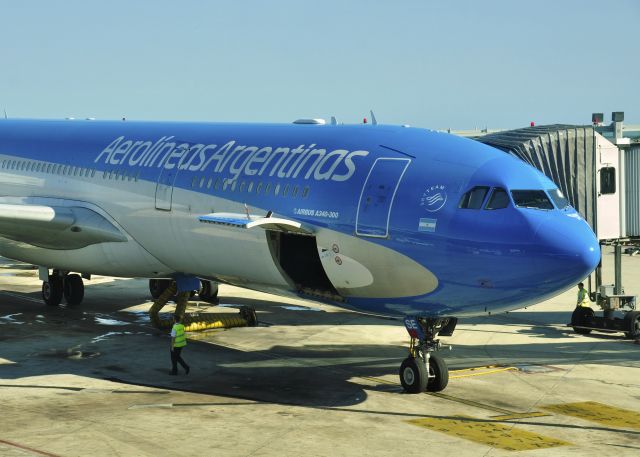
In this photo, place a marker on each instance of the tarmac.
(310, 379)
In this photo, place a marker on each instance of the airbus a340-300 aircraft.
(385, 219)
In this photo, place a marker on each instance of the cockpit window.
(531, 199)
(474, 198)
(499, 199)
(558, 198)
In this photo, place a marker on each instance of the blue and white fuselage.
(391, 220)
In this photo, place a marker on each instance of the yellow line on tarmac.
(492, 370)
(482, 373)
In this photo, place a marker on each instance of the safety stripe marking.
(598, 412)
(489, 433)
(508, 417)
(27, 448)
(20, 296)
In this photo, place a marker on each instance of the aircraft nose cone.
(568, 250)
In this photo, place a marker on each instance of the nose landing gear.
(424, 369)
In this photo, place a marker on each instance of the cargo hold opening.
(297, 256)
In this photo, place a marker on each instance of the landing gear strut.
(424, 369)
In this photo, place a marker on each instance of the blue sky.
(454, 64)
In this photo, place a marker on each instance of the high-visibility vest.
(180, 338)
(583, 297)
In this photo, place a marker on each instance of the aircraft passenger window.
(499, 199)
(23, 165)
(474, 198)
(209, 183)
(242, 186)
(137, 176)
(250, 187)
(259, 187)
(294, 191)
(234, 183)
(193, 181)
(608, 180)
(531, 199)
(267, 188)
(216, 186)
(93, 173)
(558, 198)
(202, 182)
(305, 192)
(285, 191)
(276, 190)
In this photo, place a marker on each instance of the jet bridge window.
(608, 180)
(531, 199)
(499, 199)
(474, 198)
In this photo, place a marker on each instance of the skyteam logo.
(434, 198)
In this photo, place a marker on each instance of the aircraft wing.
(56, 227)
(247, 222)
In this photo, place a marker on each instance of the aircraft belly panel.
(359, 268)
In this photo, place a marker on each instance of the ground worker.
(583, 296)
(178, 342)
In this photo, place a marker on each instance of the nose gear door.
(376, 198)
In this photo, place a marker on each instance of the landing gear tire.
(52, 290)
(438, 374)
(208, 291)
(157, 286)
(413, 375)
(73, 289)
(580, 317)
(632, 321)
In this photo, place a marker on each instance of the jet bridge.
(598, 170)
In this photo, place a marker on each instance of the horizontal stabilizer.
(56, 227)
(247, 222)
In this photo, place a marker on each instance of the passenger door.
(376, 198)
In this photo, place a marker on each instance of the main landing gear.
(424, 369)
(61, 284)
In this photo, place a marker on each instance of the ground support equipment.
(584, 319)
(197, 321)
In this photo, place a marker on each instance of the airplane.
(384, 219)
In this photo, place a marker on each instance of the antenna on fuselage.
(374, 121)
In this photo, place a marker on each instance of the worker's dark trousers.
(177, 359)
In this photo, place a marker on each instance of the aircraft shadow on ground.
(308, 375)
